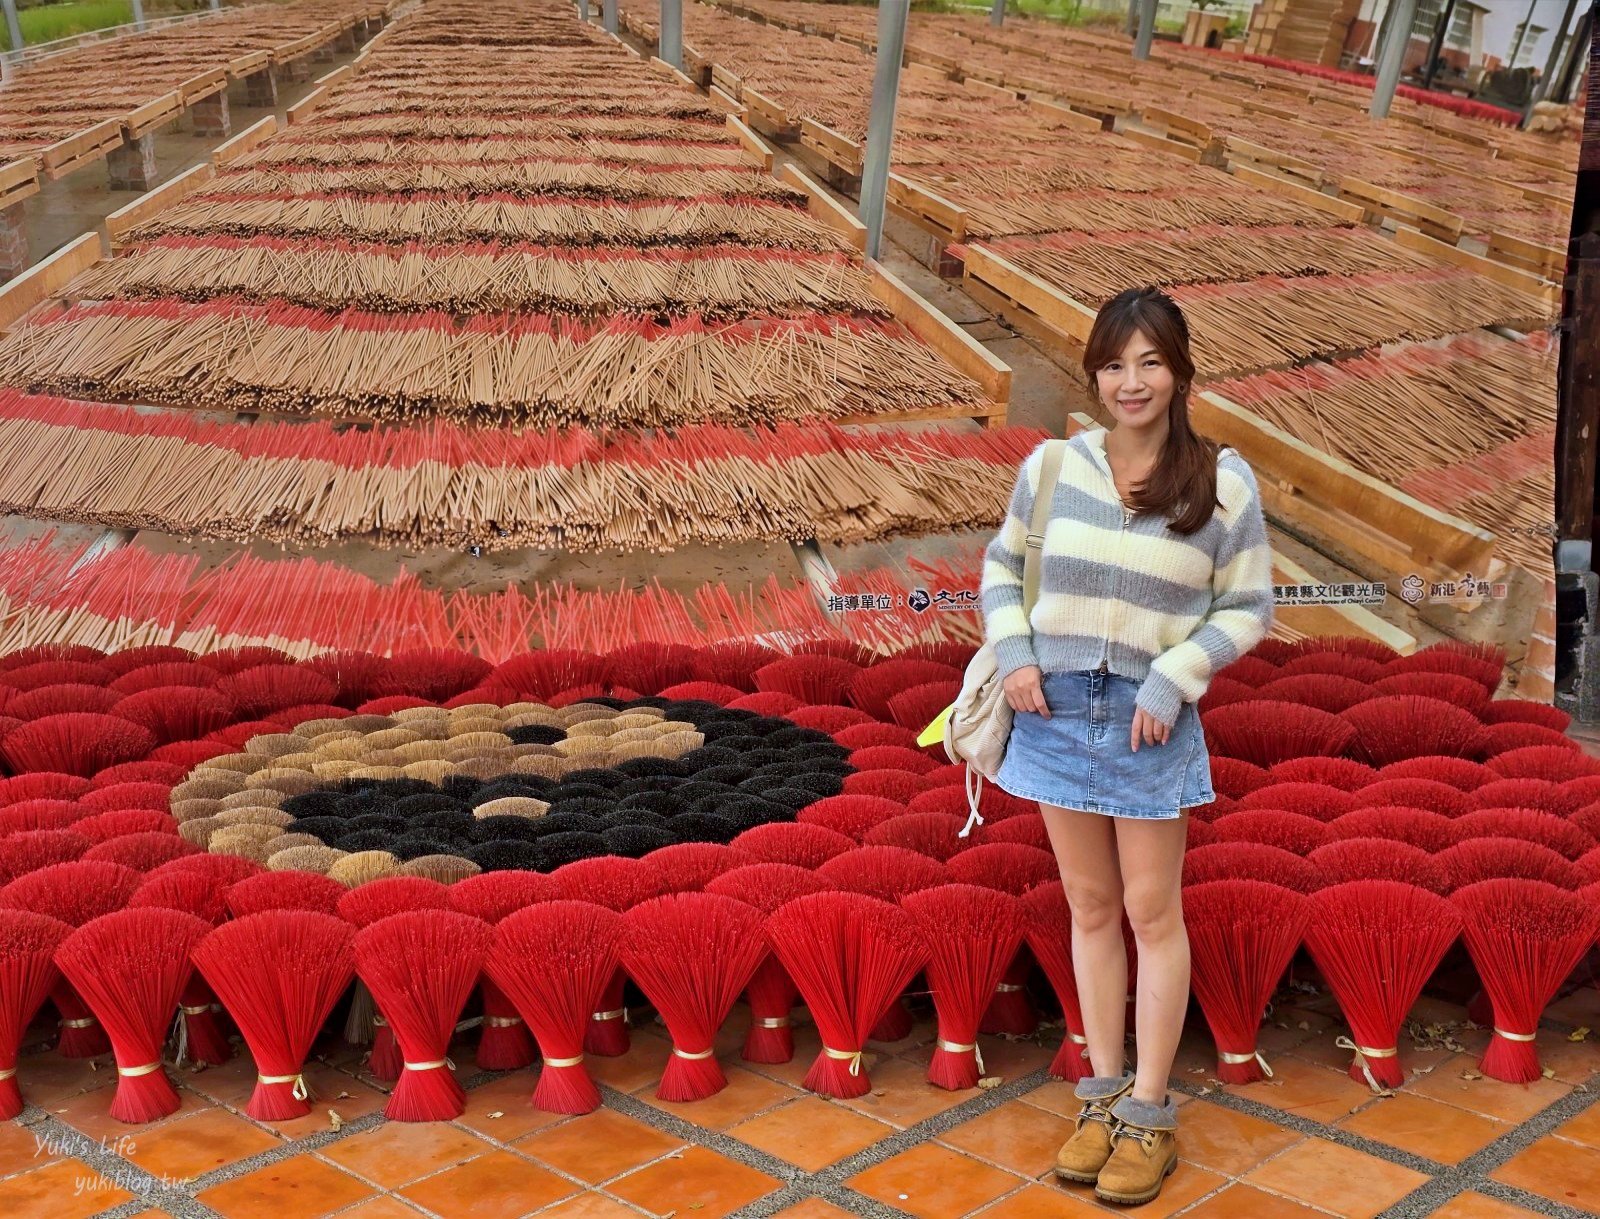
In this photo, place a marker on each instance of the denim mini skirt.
(1080, 759)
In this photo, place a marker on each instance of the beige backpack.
(977, 726)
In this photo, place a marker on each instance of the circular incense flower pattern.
(436, 791)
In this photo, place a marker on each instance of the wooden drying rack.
(1301, 620)
(1382, 531)
(1353, 199)
(25, 175)
(44, 286)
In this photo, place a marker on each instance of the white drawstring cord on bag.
(974, 785)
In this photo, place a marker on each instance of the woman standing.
(1155, 573)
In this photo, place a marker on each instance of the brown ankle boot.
(1144, 1151)
(1082, 1156)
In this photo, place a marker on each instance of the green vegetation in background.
(1068, 12)
(50, 21)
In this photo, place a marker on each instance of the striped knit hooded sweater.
(1124, 590)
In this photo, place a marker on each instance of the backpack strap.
(1049, 476)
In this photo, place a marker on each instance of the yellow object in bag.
(933, 734)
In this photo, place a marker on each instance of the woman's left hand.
(1148, 729)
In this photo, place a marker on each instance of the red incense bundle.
(279, 973)
(130, 966)
(691, 954)
(420, 966)
(972, 934)
(552, 960)
(849, 955)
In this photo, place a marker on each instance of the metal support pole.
(670, 46)
(1391, 55)
(1577, 56)
(1147, 29)
(997, 14)
(608, 15)
(583, 10)
(1553, 60)
(216, 6)
(1441, 31)
(892, 15)
(13, 26)
(1522, 33)
(138, 15)
(1130, 23)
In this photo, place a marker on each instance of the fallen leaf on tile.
(1549, 1072)
(991, 1081)
(496, 1113)
(1578, 1034)
(1470, 1075)
(1304, 1024)
(335, 1120)
(342, 1096)
(879, 1092)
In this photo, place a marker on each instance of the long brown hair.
(1183, 483)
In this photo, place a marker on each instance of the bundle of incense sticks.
(714, 281)
(67, 92)
(132, 597)
(310, 484)
(527, 368)
(1262, 323)
(1095, 267)
(1467, 426)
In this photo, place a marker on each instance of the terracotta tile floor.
(1308, 1142)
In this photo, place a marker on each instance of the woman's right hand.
(1024, 689)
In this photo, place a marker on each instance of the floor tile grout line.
(313, 1143)
(492, 1143)
(797, 1184)
(830, 1180)
(1500, 1150)
(287, 1149)
(1472, 1173)
(828, 1183)
(110, 1166)
(1513, 1196)
(700, 1136)
(1313, 1127)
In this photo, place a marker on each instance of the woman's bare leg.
(1086, 851)
(1151, 858)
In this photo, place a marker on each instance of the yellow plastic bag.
(933, 734)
